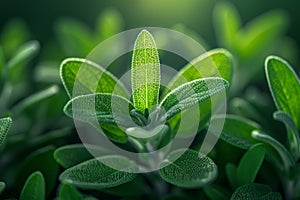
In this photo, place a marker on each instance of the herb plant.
(145, 110)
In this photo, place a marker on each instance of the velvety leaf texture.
(255, 191)
(145, 72)
(94, 174)
(86, 76)
(214, 63)
(284, 85)
(192, 93)
(5, 124)
(190, 170)
(34, 188)
(106, 108)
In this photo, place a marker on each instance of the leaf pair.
(98, 95)
(95, 174)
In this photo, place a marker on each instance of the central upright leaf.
(145, 72)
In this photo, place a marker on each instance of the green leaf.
(255, 191)
(192, 93)
(13, 35)
(34, 188)
(71, 155)
(261, 32)
(293, 135)
(36, 98)
(2, 61)
(227, 23)
(40, 160)
(90, 78)
(231, 173)
(145, 72)
(236, 130)
(106, 108)
(215, 192)
(284, 154)
(2, 187)
(74, 37)
(68, 192)
(215, 63)
(190, 170)
(5, 124)
(95, 174)
(23, 55)
(250, 164)
(108, 24)
(245, 109)
(284, 86)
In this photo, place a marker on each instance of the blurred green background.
(41, 16)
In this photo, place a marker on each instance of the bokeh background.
(41, 16)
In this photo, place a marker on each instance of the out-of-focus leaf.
(36, 98)
(22, 56)
(190, 170)
(47, 72)
(34, 188)
(95, 174)
(245, 109)
(191, 33)
(41, 160)
(68, 192)
(192, 93)
(255, 191)
(227, 23)
(2, 61)
(5, 124)
(236, 130)
(231, 173)
(261, 32)
(250, 164)
(284, 85)
(2, 187)
(293, 134)
(145, 72)
(108, 24)
(88, 78)
(76, 39)
(13, 34)
(215, 192)
(287, 159)
(71, 155)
